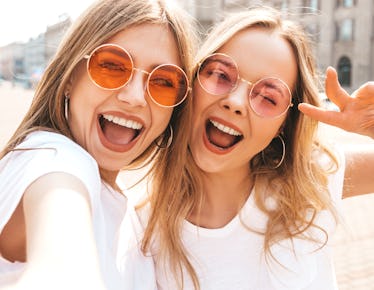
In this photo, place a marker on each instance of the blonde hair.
(102, 20)
(301, 181)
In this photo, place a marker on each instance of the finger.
(333, 89)
(365, 91)
(329, 117)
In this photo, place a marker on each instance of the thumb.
(333, 89)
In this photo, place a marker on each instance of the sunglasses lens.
(218, 74)
(110, 67)
(270, 97)
(168, 85)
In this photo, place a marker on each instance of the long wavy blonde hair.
(301, 181)
(102, 20)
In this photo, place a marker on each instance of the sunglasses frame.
(133, 68)
(239, 78)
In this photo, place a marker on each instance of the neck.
(224, 196)
(110, 177)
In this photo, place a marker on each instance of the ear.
(69, 86)
(74, 76)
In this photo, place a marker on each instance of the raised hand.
(356, 111)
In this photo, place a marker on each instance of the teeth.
(225, 129)
(123, 122)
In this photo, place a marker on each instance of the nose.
(237, 100)
(134, 92)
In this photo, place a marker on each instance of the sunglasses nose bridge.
(141, 71)
(135, 69)
(250, 84)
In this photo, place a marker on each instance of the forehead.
(149, 43)
(260, 53)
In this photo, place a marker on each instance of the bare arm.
(356, 115)
(359, 172)
(61, 250)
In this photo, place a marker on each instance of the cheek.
(199, 98)
(160, 119)
(84, 94)
(266, 130)
(79, 77)
(83, 102)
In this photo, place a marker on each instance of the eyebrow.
(277, 88)
(121, 53)
(227, 63)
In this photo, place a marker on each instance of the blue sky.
(22, 19)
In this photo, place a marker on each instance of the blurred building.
(342, 30)
(34, 60)
(54, 34)
(24, 63)
(12, 61)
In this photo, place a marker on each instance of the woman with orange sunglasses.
(109, 99)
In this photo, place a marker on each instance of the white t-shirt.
(53, 152)
(232, 257)
(137, 270)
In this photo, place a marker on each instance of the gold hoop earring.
(283, 153)
(66, 107)
(161, 144)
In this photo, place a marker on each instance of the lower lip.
(114, 147)
(215, 149)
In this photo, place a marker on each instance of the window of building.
(344, 71)
(345, 30)
(311, 4)
(346, 3)
(284, 4)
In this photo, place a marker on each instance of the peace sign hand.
(356, 112)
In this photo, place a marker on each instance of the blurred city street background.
(354, 242)
(340, 30)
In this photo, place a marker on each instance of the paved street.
(353, 244)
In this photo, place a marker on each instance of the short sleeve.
(42, 153)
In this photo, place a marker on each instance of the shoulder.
(54, 144)
(42, 153)
(52, 149)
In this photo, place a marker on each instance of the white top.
(232, 257)
(137, 270)
(53, 152)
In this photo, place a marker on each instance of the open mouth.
(221, 136)
(118, 131)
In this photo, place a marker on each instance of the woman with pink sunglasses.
(109, 99)
(261, 193)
